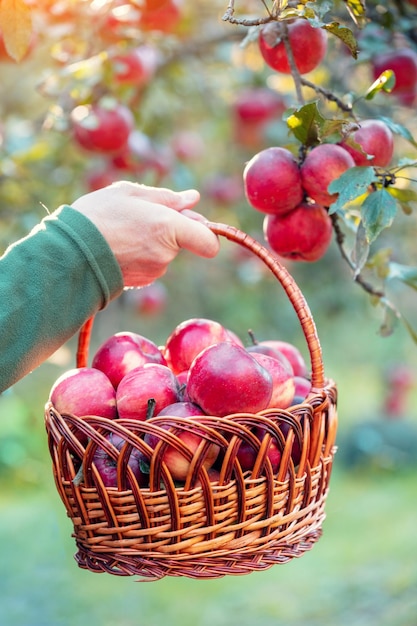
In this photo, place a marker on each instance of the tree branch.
(340, 239)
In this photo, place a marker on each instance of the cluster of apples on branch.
(294, 190)
(203, 369)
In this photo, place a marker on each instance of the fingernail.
(190, 195)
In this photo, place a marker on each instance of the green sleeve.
(51, 282)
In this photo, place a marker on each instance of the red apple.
(137, 156)
(176, 462)
(106, 464)
(258, 105)
(308, 45)
(213, 476)
(247, 454)
(188, 145)
(99, 178)
(403, 62)
(102, 127)
(282, 380)
(149, 381)
(291, 352)
(296, 447)
(272, 181)
(124, 351)
(225, 378)
(150, 300)
(181, 409)
(84, 391)
(137, 66)
(165, 19)
(302, 389)
(376, 141)
(263, 348)
(303, 234)
(189, 338)
(323, 165)
(223, 189)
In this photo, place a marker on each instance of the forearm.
(51, 282)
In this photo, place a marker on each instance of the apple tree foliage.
(59, 55)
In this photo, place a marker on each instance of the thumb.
(194, 235)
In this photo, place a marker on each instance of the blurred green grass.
(362, 571)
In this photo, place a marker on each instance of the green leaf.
(360, 250)
(404, 273)
(384, 82)
(345, 35)
(405, 162)
(350, 185)
(410, 329)
(399, 129)
(357, 11)
(390, 320)
(378, 212)
(305, 123)
(403, 197)
(322, 7)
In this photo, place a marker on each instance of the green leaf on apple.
(378, 212)
(351, 185)
(384, 82)
(345, 35)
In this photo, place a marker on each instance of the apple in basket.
(176, 462)
(189, 338)
(84, 391)
(106, 465)
(247, 454)
(225, 378)
(149, 381)
(283, 386)
(291, 352)
(302, 389)
(124, 351)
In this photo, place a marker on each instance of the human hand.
(146, 227)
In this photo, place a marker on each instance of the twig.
(244, 21)
(340, 238)
(291, 62)
(329, 96)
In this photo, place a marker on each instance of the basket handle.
(290, 287)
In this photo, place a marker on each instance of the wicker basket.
(245, 521)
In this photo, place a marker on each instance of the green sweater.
(51, 282)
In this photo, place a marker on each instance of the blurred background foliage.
(187, 135)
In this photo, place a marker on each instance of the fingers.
(178, 200)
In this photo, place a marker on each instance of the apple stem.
(252, 337)
(151, 408)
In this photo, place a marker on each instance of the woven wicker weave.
(245, 521)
